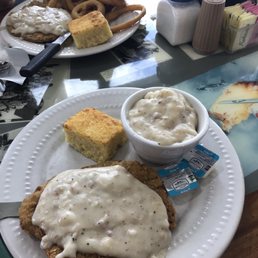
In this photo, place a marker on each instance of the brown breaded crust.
(140, 171)
(36, 37)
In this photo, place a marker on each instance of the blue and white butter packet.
(178, 178)
(182, 177)
(201, 160)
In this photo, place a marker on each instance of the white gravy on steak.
(34, 18)
(105, 211)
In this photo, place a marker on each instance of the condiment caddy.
(207, 25)
(240, 26)
(186, 21)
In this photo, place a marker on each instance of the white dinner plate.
(71, 51)
(206, 218)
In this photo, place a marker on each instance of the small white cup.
(151, 151)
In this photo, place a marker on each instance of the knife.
(40, 59)
(238, 101)
(9, 209)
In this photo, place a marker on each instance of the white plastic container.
(176, 20)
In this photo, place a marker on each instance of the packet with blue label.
(201, 160)
(178, 179)
(183, 176)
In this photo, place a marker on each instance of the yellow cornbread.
(94, 134)
(90, 30)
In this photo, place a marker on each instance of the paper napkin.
(16, 58)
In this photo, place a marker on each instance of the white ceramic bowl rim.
(132, 99)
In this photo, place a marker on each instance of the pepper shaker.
(208, 28)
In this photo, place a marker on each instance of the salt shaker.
(176, 20)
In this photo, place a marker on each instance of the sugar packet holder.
(240, 26)
(183, 176)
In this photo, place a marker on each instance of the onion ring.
(86, 7)
(127, 24)
(71, 4)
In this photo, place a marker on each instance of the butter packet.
(178, 178)
(183, 176)
(201, 161)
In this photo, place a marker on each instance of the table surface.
(145, 60)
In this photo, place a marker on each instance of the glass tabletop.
(146, 59)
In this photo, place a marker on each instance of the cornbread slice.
(140, 171)
(90, 30)
(94, 134)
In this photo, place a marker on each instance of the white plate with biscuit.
(69, 51)
(207, 218)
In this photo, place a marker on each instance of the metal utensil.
(40, 59)
(238, 101)
(9, 209)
